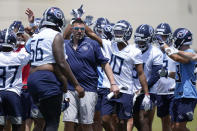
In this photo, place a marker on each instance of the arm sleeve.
(154, 75)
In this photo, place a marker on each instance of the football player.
(152, 63)
(11, 84)
(166, 83)
(123, 58)
(47, 51)
(185, 91)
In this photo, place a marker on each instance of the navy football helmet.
(15, 25)
(99, 25)
(108, 32)
(122, 31)
(21, 30)
(182, 36)
(53, 17)
(165, 30)
(8, 39)
(143, 36)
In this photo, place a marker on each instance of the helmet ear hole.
(165, 30)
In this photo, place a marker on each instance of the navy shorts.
(122, 105)
(183, 109)
(10, 107)
(27, 103)
(138, 103)
(42, 85)
(164, 105)
(101, 93)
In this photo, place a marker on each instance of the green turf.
(156, 123)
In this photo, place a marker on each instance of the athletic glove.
(146, 103)
(77, 13)
(88, 20)
(171, 50)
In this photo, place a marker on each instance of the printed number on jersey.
(178, 77)
(4, 71)
(37, 54)
(165, 64)
(195, 75)
(116, 64)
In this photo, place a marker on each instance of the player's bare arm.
(142, 78)
(108, 71)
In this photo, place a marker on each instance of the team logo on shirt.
(85, 48)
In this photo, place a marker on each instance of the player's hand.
(146, 102)
(88, 20)
(77, 13)
(160, 40)
(30, 15)
(115, 89)
(80, 91)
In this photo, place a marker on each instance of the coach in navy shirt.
(84, 61)
(84, 55)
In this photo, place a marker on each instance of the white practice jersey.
(11, 65)
(152, 56)
(122, 64)
(41, 47)
(101, 72)
(165, 84)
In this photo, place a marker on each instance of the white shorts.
(80, 110)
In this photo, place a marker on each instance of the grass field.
(156, 124)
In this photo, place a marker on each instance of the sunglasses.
(79, 28)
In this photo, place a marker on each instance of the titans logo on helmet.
(182, 33)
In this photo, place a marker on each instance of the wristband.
(31, 24)
(169, 51)
(113, 84)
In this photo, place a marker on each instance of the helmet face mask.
(99, 31)
(119, 34)
(122, 31)
(142, 45)
(143, 36)
(99, 24)
(165, 31)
